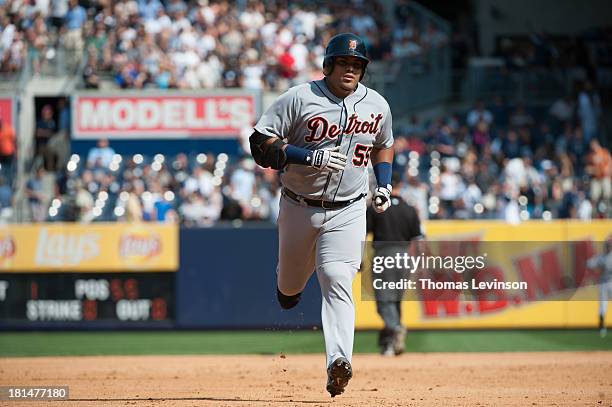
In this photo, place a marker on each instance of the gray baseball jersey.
(312, 117)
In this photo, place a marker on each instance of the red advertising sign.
(171, 116)
(6, 111)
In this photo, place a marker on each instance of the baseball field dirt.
(427, 379)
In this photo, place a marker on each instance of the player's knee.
(336, 271)
(287, 301)
(336, 278)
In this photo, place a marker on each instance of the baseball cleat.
(399, 340)
(603, 332)
(338, 375)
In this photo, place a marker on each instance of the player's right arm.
(271, 151)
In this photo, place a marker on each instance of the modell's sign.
(172, 116)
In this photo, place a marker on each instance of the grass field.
(16, 344)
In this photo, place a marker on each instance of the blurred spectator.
(413, 127)
(100, 156)
(45, 128)
(8, 34)
(91, 79)
(450, 188)
(562, 109)
(64, 116)
(6, 194)
(511, 145)
(407, 47)
(515, 174)
(569, 202)
(169, 44)
(480, 135)
(599, 167)
(252, 71)
(148, 9)
(133, 206)
(231, 209)
(58, 8)
(499, 110)
(198, 210)
(578, 149)
(478, 114)
(520, 117)
(562, 141)
(36, 196)
(242, 182)
(415, 194)
(443, 141)
(84, 202)
(450, 170)
(585, 207)
(471, 196)
(432, 37)
(589, 111)
(200, 181)
(511, 210)
(74, 21)
(7, 147)
(162, 205)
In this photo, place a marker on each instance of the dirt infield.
(525, 379)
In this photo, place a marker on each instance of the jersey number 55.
(361, 156)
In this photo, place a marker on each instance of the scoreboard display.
(137, 297)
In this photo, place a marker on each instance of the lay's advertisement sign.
(64, 247)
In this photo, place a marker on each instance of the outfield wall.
(113, 276)
(550, 313)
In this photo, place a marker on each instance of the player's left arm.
(382, 162)
(382, 155)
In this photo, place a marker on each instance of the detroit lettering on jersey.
(310, 116)
(320, 128)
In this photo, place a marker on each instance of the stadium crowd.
(196, 189)
(492, 162)
(204, 43)
(502, 162)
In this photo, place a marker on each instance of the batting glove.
(331, 160)
(381, 201)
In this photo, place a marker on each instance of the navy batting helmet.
(347, 45)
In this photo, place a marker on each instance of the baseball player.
(400, 223)
(321, 135)
(603, 262)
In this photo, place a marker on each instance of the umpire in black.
(400, 223)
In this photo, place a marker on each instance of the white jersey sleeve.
(278, 120)
(384, 139)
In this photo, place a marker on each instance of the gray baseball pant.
(329, 241)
